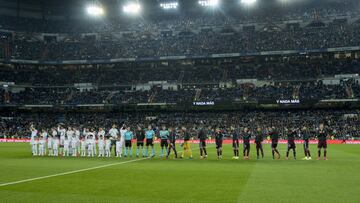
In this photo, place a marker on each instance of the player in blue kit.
(128, 137)
(164, 136)
(149, 134)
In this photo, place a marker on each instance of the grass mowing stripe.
(76, 171)
(174, 180)
(70, 172)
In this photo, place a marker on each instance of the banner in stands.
(227, 141)
(288, 101)
(206, 103)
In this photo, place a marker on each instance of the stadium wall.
(212, 141)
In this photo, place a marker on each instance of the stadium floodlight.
(209, 3)
(248, 2)
(95, 10)
(132, 8)
(169, 5)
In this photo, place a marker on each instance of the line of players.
(70, 142)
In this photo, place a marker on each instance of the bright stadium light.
(170, 5)
(248, 2)
(94, 10)
(209, 3)
(132, 8)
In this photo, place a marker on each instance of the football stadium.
(180, 101)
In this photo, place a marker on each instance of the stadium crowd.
(187, 43)
(122, 84)
(192, 35)
(283, 90)
(344, 124)
(208, 71)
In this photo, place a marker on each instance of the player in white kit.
(77, 136)
(61, 132)
(91, 143)
(107, 146)
(70, 133)
(42, 143)
(118, 147)
(101, 133)
(33, 144)
(122, 138)
(92, 134)
(44, 136)
(66, 146)
(50, 142)
(114, 134)
(101, 145)
(83, 144)
(74, 143)
(55, 145)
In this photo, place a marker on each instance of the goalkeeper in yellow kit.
(186, 145)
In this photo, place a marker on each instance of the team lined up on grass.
(72, 142)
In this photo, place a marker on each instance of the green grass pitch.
(158, 180)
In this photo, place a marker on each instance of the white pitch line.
(76, 171)
(70, 172)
